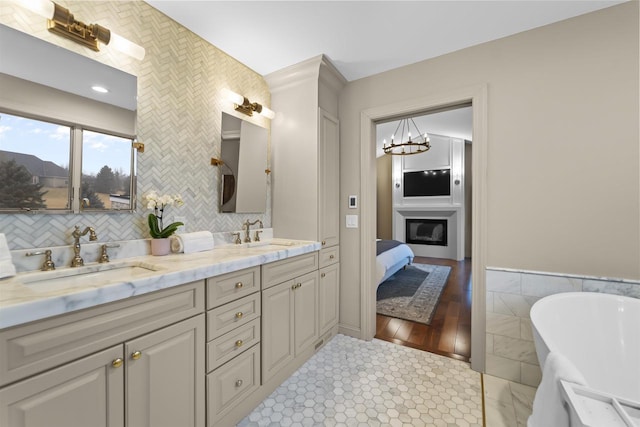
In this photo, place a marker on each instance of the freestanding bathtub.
(599, 333)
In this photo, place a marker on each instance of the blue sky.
(52, 142)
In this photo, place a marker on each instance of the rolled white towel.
(5, 253)
(192, 242)
(548, 404)
(7, 269)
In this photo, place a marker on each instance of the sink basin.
(273, 242)
(88, 275)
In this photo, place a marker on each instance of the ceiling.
(361, 38)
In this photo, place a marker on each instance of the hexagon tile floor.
(351, 382)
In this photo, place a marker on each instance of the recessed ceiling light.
(100, 89)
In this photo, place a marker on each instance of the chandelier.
(419, 145)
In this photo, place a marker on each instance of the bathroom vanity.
(201, 341)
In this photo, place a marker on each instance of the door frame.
(477, 95)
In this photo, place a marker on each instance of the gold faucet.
(77, 260)
(48, 264)
(246, 226)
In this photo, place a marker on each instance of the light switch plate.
(352, 221)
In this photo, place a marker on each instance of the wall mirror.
(244, 160)
(68, 130)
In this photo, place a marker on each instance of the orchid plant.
(158, 204)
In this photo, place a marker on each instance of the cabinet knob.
(136, 355)
(117, 363)
(322, 275)
(239, 285)
(239, 343)
(331, 256)
(239, 315)
(324, 242)
(239, 383)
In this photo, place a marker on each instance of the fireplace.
(426, 231)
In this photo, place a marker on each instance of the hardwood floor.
(450, 331)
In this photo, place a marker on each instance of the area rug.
(413, 293)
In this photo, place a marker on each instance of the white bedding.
(388, 262)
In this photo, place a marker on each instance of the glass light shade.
(268, 113)
(233, 97)
(125, 46)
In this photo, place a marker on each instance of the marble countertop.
(22, 299)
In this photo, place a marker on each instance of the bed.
(391, 256)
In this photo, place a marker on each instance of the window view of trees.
(34, 167)
(18, 189)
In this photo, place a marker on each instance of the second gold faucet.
(77, 260)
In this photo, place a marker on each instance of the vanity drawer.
(223, 319)
(230, 345)
(32, 348)
(231, 286)
(329, 256)
(286, 269)
(230, 384)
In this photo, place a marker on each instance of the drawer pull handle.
(239, 343)
(322, 275)
(117, 363)
(239, 315)
(239, 383)
(239, 285)
(136, 355)
(331, 257)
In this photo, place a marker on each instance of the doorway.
(439, 178)
(477, 97)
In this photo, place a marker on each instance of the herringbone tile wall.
(179, 117)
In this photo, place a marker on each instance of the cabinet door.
(165, 376)
(305, 324)
(328, 297)
(85, 393)
(329, 179)
(277, 328)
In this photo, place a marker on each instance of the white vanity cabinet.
(329, 289)
(233, 343)
(306, 196)
(290, 311)
(131, 363)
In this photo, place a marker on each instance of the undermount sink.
(88, 275)
(271, 242)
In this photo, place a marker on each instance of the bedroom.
(425, 302)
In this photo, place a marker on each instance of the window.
(39, 170)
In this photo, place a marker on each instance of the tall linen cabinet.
(306, 168)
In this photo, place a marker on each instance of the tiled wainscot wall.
(510, 352)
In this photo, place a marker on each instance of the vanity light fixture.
(420, 145)
(60, 21)
(243, 105)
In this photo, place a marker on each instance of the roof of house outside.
(35, 165)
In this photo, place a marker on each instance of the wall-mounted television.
(434, 182)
